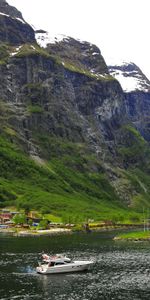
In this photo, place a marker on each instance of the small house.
(5, 217)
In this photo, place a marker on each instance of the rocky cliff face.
(97, 97)
(66, 91)
(13, 29)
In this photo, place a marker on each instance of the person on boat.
(51, 264)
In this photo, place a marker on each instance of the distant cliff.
(137, 95)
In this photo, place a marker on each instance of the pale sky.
(120, 28)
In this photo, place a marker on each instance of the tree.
(20, 219)
(43, 224)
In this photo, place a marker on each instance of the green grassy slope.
(70, 186)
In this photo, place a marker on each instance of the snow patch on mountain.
(43, 38)
(130, 77)
(19, 19)
(4, 14)
(16, 50)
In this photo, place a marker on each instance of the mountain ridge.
(10, 11)
(136, 87)
(14, 29)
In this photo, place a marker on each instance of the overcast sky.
(120, 28)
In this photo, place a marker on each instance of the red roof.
(5, 216)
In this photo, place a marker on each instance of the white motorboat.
(62, 264)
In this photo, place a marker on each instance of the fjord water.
(121, 270)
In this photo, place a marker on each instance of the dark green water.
(121, 271)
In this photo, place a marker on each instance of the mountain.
(130, 77)
(14, 30)
(137, 94)
(68, 143)
(83, 54)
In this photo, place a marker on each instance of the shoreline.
(131, 239)
(135, 236)
(37, 233)
(58, 231)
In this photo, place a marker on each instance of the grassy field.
(135, 235)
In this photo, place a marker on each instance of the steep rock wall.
(49, 98)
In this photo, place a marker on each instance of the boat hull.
(77, 266)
